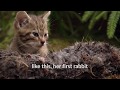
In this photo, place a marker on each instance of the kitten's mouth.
(37, 45)
(40, 45)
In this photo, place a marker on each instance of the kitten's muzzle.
(42, 43)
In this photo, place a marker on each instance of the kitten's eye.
(45, 35)
(35, 34)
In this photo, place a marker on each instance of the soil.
(93, 60)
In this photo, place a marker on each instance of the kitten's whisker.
(21, 45)
(46, 43)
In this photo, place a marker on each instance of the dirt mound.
(84, 60)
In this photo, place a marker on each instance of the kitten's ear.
(21, 20)
(46, 15)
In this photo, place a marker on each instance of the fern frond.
(105, 17)
(76, 15)
(93, 20)
(112, 23)
(87, 15)
(98, 17)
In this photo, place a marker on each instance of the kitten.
(31, 33)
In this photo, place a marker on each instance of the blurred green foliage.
(67, 27)
(112, 18)
(6, 28)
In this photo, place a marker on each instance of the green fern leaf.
(87, 15)
(73, 13)
(112, 23)
(93, 20)
(98, 17)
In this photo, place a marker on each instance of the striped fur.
(31, 33)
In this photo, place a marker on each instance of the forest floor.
(102, 60)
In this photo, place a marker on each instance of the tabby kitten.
(31, 33)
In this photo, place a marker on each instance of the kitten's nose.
(42, 42)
